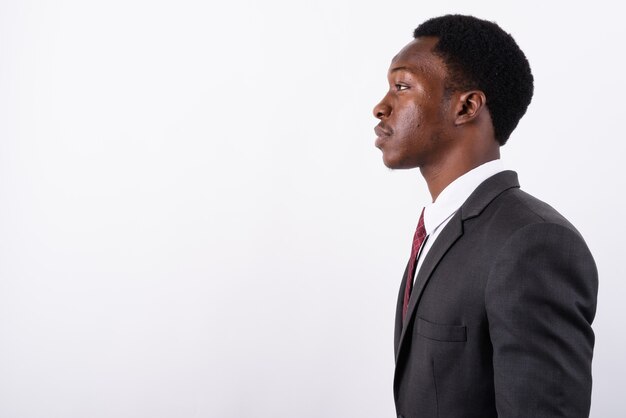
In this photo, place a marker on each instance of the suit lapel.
(473, 206)
(448, 236)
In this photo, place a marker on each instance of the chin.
(389, 162)
(396, 163)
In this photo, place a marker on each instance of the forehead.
(418, 57)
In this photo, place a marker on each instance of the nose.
(382, 109)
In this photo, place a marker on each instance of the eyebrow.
(403, 68)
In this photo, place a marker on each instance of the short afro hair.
(479, 55)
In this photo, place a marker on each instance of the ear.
(469, 106)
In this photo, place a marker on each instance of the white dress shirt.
(438, 214)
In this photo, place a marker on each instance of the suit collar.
(486, 192)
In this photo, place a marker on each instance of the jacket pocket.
(452, 333)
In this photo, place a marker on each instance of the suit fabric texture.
(499, 319)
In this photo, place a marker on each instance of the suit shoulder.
(522, 209)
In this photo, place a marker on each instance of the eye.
(401, 87)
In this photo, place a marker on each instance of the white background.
(194, 221)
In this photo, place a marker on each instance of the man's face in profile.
(414, 112)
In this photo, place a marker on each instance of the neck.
(439, 176)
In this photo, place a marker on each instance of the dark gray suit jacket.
(499, 321)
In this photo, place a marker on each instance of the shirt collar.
(456, 193)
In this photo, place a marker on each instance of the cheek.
(412, 122)
(408, 115)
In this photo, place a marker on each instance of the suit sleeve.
(541, 300)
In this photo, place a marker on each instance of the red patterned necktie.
(418, 239)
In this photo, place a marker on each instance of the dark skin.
(445, 134)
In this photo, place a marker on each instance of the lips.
(381, 131)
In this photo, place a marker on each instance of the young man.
(495, 307)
